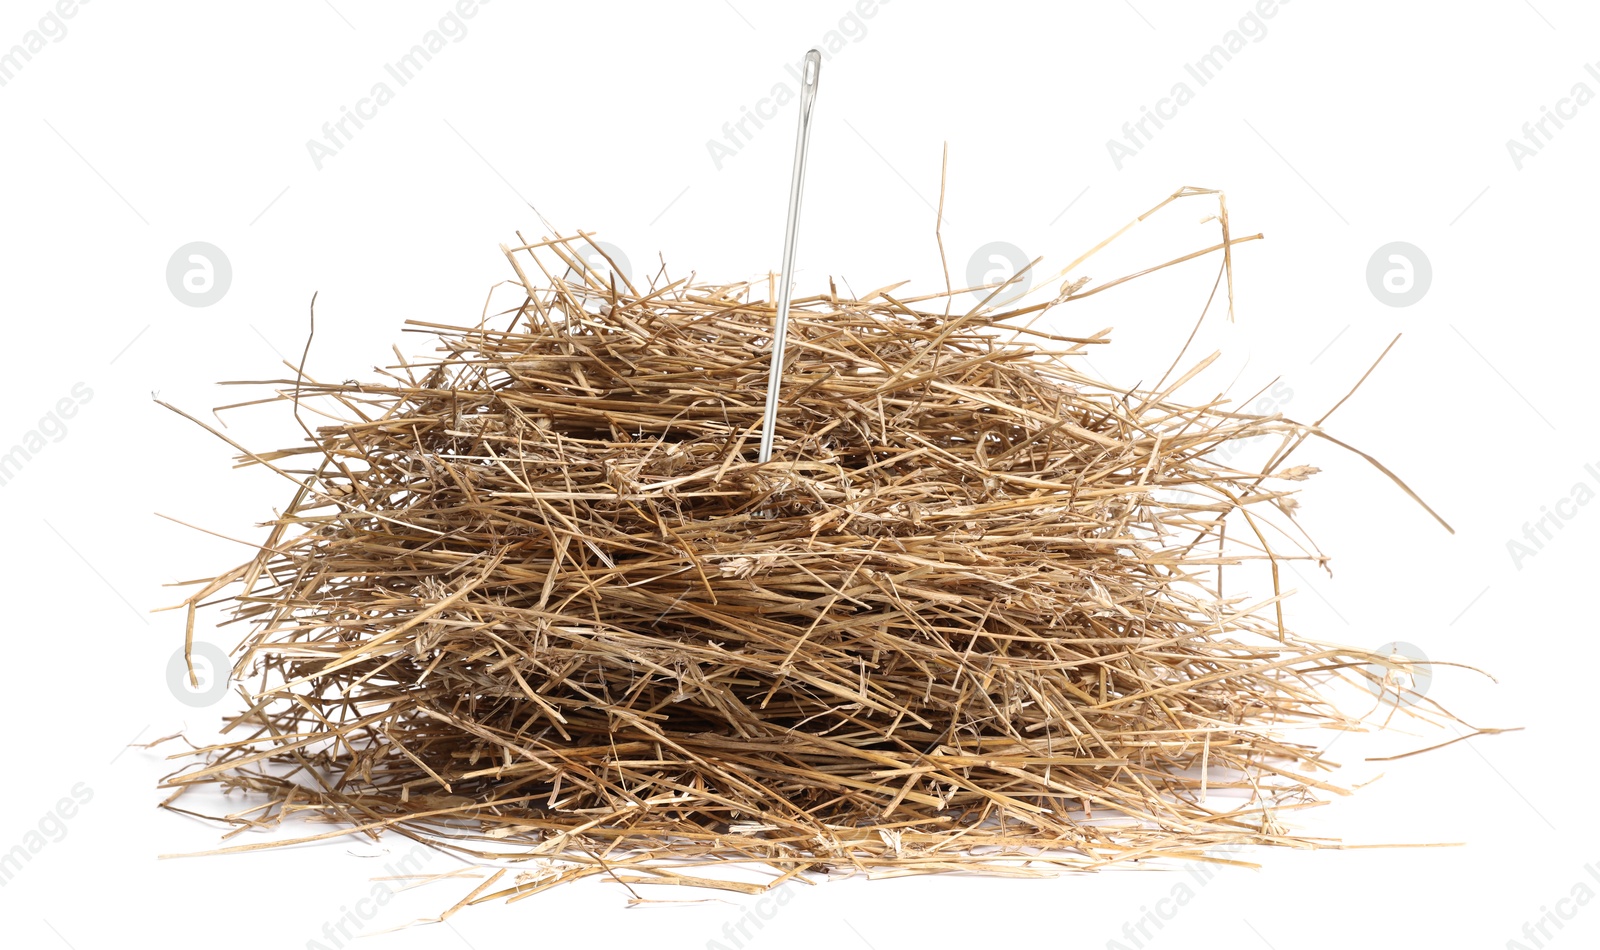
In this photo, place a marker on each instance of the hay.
(534, 600)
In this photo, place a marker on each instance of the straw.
(535, 598)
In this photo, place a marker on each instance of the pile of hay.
(534, 599)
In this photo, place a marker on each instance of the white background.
(1345, 127)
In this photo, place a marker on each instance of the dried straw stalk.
(533, 600)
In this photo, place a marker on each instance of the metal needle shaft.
(808, 99)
